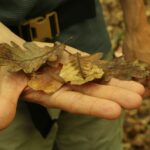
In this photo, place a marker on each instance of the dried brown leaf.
(80, 69)
(46, 80)
(121, 69)
(29, 60)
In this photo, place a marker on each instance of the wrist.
(6, 35)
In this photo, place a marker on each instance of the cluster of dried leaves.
(49, 68)
(137, 122)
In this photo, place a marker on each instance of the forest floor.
(137, 122)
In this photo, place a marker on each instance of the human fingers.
(126, 98)
(78, 103)
(11, 85)
(129, 85)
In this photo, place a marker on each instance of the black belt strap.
(69, 13)
(41, 119)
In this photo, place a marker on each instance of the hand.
(11, 86)
(104, 101)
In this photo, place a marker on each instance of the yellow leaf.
(79, 71)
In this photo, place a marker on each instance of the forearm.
(6, 35)
(134, 15)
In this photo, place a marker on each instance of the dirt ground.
(137, 122)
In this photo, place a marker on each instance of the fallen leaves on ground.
(137, 128)
(137, 122)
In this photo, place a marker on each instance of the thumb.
(11, 86)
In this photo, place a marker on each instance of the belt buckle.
(42, 28)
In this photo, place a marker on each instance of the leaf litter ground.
(137, 122)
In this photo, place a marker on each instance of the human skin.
(137, 31)
(89, 99)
